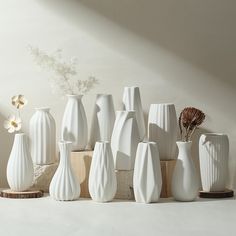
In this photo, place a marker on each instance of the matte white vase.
(102, 177)
(147, 180)
(162, 128)
(103, 119)
(64, 186)
(185, 182)
(43, 137)
(20, 171)
(213, 157)
(74, 123)
(132, 102)
(124, 140)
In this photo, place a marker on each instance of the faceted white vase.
(20, 171)
(147, 180)
(124, 140)
(162, 128)
(64, 185)
(103, 119)
(102, 177)
(74, 123)
(213, 157)
(132, 102)
(185, 182)
(43, 137)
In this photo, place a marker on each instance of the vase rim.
(125, 111)
(74, 95)
(20, 134)
(167, 104)
(104, 94)
(214, 134)
(42, 108)
(184, 142)
(148, 142)
(133, 87)
(65, 142)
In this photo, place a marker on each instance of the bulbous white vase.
(103, 119)
(124, 140)
(162, 128)
(20, 171)
(213, 157)
(132, 102)
(43, 137)
(147, 180)
(74, 123)
(102, 177)
(185, 182)
(64, 186)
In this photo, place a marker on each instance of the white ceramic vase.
(20, 171)
(147, 180)
(132, 102)
(185, 182)
(64, 186)
(74, 123)
(103, 119)
(102, 177)
(43, 137)
(162, 128)
(213, 157)
(124, 140)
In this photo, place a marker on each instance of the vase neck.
(184, 149)
(74, 97)
(43, 109)
(65, 150)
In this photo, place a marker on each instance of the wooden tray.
(8, 193)
(220, 194)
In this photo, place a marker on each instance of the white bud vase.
(43, 137)
(102, 177)
(74, 123)
(20, 171)
(213, 157)
(185, 182)
(147, 180)
(64, 185)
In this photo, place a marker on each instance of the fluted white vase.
(147, 180)
(162, 128)
(103, 119)
(213, 157)
(74, 123)
(124, 140)
(102, 177)
(185, 181)
(132, 102)
(64, 186)
(20, 171)
(43, 137)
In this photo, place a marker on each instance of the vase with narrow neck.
(74, 123)
(20, 170)
(185, 181)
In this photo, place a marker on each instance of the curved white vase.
(124, 140)
(147, 180)
(162, 128)
(43, 137)
(102, 177)
(213, 157)
(20, 171)
(74, 123)
(64, 185)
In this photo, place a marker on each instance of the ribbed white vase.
(43, 137)
(124, 140)
(20, 171)
(213, 157)
(102, 177)
(162, 128)
(74, 123)
(64, 186)
(132, 102)
(147, 180)
(103, 119)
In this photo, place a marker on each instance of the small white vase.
(147, 180)
(124, 140)
(102, 177)
(162, 128)
(43, 137)
(20, 171)
(74, 123)
(185, 182)
(213, 157)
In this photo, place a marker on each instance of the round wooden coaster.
(220, 194)
(8, 193)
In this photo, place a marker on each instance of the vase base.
(8, 193)
(217, 194)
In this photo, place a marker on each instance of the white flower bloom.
(12, 124)
(19, 101)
